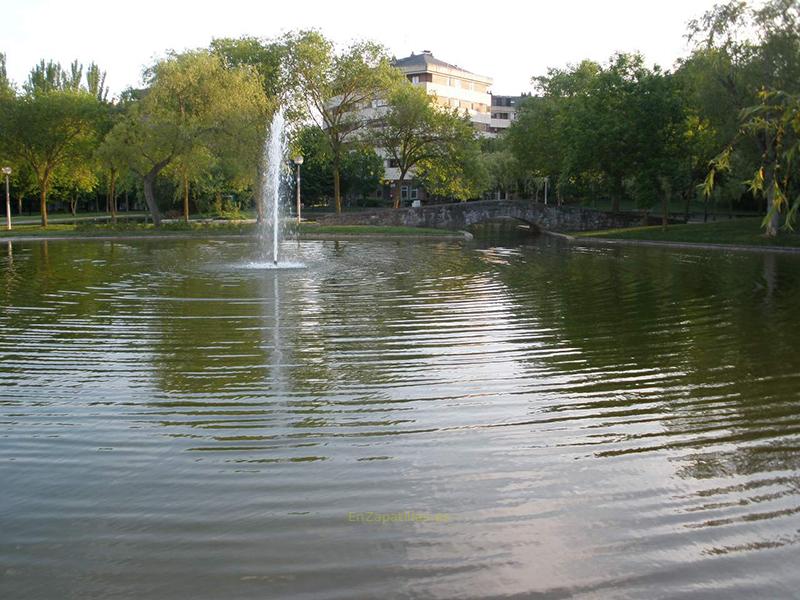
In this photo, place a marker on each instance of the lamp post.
(298, 160)
(7, 172)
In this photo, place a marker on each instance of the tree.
(502, 170)
(753, 56)
(775, 120)
(337, 87)
(414, 130)
(616, 126)
(311, 143)
(6, 89)
(192, 101)
(49, 131)
(536, 140)
(362, 172)
(456, 170)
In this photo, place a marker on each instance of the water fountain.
(271, 197)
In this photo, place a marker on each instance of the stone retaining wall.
(461, 215)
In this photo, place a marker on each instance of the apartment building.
(503, 112)
(453, 86)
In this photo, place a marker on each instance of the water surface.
(566, 422)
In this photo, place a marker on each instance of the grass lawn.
(312, 228)
(677, 207)
(200, 229)
(746, 232)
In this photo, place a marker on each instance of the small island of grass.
(734, 232)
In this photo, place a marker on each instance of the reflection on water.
(591, 422)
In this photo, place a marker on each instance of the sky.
(511, 41)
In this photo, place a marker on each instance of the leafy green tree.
(414, 130)
(266, 58)
(192, 101)
(775, 120)
(615, 127)
(751, 57)
(456, 171)
(536, 139)
(311, 143)
(6, 89)
(362, 172)
(48, 132)
(502, 169)
(338, 87)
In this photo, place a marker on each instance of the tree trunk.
(398, 190)
(19, 204)
(149, 181)
(73, 204)
(112, 196)
(43, 203)
(337, 195)
(150, 197)
(774, 216)
(774, 219)
(185, 198)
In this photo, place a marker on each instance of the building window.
(392, 163)
(414, 193)
(415, 79)
(404, 192)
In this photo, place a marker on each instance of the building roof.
(426, 61)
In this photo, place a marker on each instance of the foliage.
(414, 131)
(52, 133)
(602, 126)
(775, 120)
(456, 170)
(337, 87)
(754, 56)
(193, 105)
(362, 172)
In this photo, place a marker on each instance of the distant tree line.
(192, 137)
(722, 125)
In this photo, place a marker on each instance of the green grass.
(199, 229)
(677, 207)
(312, 228)
(746, 231)
(35, 219)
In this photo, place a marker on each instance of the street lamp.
(298, 160)
(7, 172)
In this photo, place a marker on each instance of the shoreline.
(455, 236)
(598, 241)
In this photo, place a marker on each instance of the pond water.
(399, 419)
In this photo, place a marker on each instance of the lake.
(404, 419)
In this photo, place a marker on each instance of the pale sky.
(510, 41)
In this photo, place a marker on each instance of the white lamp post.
(298, 160)
(7, 172)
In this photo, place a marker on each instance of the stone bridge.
(460, 215)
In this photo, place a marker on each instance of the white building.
(453, 86)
